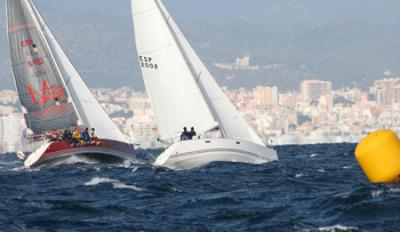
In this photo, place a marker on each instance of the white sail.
(175, 96)
(89, 110)
(231, 123)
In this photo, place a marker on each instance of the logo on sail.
(49, 93)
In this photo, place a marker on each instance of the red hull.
(63, 149)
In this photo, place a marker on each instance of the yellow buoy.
(379, 156)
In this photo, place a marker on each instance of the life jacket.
(76, 135)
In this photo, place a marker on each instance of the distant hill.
(345, 41)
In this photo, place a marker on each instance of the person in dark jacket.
(192, 133)
(185, 134)
(67, 136)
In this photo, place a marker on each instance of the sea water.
(311, 188)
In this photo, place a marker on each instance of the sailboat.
(52, 94)
(184, 94)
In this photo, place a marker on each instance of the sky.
(279, 13)
(260, 11)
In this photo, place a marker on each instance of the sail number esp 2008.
(147, 62)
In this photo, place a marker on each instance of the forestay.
(175, 96)
(90, 111)
(37, 77)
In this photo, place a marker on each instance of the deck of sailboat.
(55, 151)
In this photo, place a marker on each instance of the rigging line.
(198, 77)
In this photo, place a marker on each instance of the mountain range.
(350, 42)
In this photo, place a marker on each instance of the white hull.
(195, 153)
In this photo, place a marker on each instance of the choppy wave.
(338, 228)
(115, 183)
(311, 188)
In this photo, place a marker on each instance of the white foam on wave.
(321, 170)
(336, 228)
(125, 186)
(115, 183)
(377, 193)
(299, 175)
(74, 160)
(99, 180)
(380, 192)
(394, 190)
(314, 155)
(17, 169)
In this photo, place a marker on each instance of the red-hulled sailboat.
(52, 93)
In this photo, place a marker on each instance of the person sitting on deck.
(67, 136)
(85, 136)
(192, 133)
(95, 139)
(76, 138)
(185, 134)
(53, 136)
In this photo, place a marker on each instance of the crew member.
(192, 133)
(76, 138)
(67, 136)
(95, 139)
(185, 134)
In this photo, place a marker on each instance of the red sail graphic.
(52, 93)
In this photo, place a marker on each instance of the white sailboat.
(184, 94)
(52, 93)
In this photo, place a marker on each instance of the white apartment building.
(12, 131)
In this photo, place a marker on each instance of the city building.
(387, 91)
(266, 95)
(315, 114)
(312, 90)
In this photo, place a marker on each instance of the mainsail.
(151, 19)
(175, 96)
(90, 111)
(83, 104)
(37, 77)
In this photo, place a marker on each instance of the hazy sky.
(386, 11)
(285, 14)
